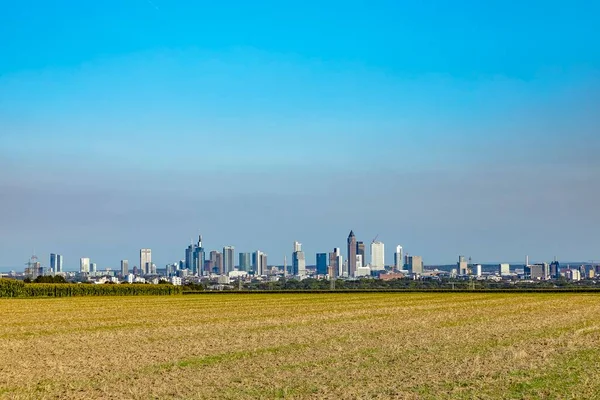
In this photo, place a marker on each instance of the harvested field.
(336, 346)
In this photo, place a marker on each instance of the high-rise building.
(124, 267)
(228, 259)
(298, 260)
(93, 268)
(216, 259)
(258, 263)
(56, 263)
(415, 264)
(462, 266)
(359, 261)
(245, 261)
(335, 261)
(322, 263)
(377, 256)
(538, 271)
(195, 257)
(555, 269)
(145, 261)
(263, 262)
(398, 261)
(351, 255)
(84, 265)
(360, 251)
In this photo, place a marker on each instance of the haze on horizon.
(447, 127)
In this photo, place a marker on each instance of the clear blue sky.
(450, 127)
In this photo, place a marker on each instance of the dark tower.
(351, 254)
(360, 250)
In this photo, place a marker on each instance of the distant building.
(216, 259)
(555, 269)
(360, 251)
(298, 260)
(124, 267)
(462, 266)
(359, 261)
(573, 275)
(257, 263)
(322, 263)
(245, 261)
(336, 261)
(176, 281)
(398, 258)
(415, 264)
(228, 259)
(538, 271)
(391, 276)
(377, 256)
(56, 263)
(478, 271)
(93, 268)
(351, 260)
(146, 261)
(504, 269)
(84, 265)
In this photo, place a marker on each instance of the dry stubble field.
(336, 346)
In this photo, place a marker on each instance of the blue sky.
(448, 127)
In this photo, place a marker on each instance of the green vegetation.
(348, 346)
(13, 288)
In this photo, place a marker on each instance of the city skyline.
(194, 255)
(452, 128)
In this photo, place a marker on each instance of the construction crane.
(374, 240)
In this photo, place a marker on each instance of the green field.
(335, 346)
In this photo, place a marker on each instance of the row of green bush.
(14, 288)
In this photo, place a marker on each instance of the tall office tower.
(84, 265)
(360, 251)
(53, 262)
(258, 263)
(198, 258)
(263, 263)
(124, 267)
(145, 260)
(322, 264)
(377, 256)
(298, 260)
(333, 263)
(398, 262)
(463, 267)
(216, 259)
(93, 268)
(228, 257)
(504, 269)
(245, 261)
(415, 264)
(351, 255)
(555, 269)
(359, 261)
(59, 264)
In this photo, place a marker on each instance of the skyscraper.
(56, 263)
(415, 264)
(84, 265)
(351, 255)
(322, 264)
(194, 257)
(245, 261)
(228, 257)
(124, 267)
(398, 261)
(93, 268)
(360, 250)
(216, 259)
(298, 260)
(336, 261)
(462, 266)
(53, 262)
(257, 263)
(145, 261)
(377, 256)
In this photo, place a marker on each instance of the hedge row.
(13, 288)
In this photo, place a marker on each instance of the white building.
(399, 258)
(130, 278)
(504, 269)
(362, 271)
(84, 265)
(463, 267)
(377, 256)
(175, 280)
(478, 269)
(146, 261)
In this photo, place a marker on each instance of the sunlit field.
(336, 346)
